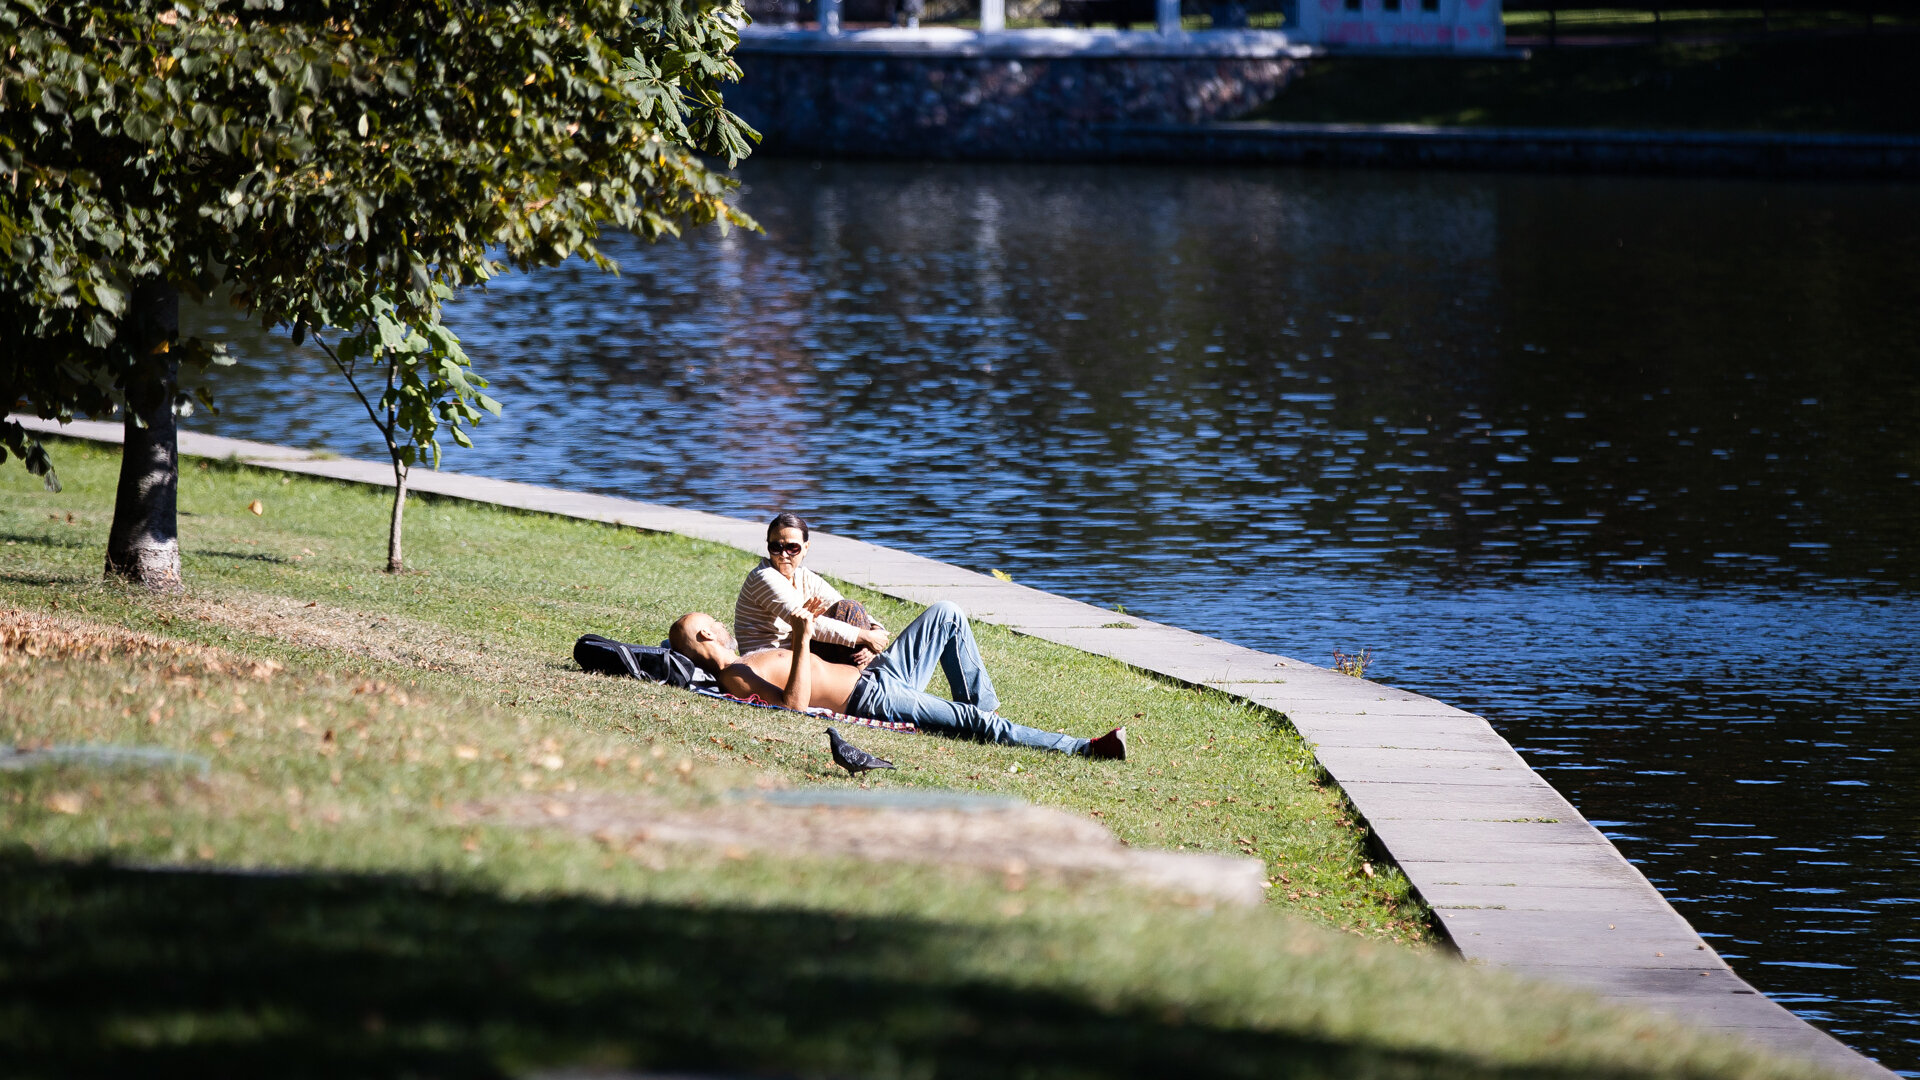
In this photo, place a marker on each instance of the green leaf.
(393, 335)
(100, 331)
(112, 300)
(141, 127)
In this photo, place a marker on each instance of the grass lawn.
(306, 889)
(1850, 84)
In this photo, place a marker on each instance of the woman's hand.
(875, 639)
(814, 605)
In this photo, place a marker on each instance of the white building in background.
(1451, 25)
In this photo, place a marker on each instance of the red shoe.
(1109, 747)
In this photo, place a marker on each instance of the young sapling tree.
(425, 382)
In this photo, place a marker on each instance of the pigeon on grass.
(852, 758)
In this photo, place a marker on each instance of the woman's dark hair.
(790, 521)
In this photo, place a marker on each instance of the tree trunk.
(399, 507)
(143, 545)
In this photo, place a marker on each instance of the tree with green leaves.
(325, 164)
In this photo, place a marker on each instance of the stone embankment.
(1518, 878)
(1031, 95)
(1119, 95)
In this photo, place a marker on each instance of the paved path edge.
(1516, 876)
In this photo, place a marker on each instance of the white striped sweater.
(763, 614)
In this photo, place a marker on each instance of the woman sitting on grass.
(781, 588)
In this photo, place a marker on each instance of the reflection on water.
(1627, 465)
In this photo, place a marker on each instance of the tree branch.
(385, 429)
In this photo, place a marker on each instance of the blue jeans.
(894, 687)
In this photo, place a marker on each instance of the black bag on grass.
(653, 663)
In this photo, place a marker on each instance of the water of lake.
(1630, 466)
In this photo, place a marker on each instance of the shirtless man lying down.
(892, 688)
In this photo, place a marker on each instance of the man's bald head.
(701, 638)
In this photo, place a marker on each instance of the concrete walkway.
(1518, 878)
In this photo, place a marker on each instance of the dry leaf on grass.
(30, 636)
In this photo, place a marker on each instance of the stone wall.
(992, 99)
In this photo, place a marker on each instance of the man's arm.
(800, 679)
(741, 680)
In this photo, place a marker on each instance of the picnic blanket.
(755, 701)
(822, 713)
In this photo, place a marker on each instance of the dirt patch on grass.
(387, 638)
(1003, 835)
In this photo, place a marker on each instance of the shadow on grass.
(243, 556)
(41, 581)
(230, 464)
(111, 971)
(43, 540)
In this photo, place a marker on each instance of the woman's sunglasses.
(775, 547)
